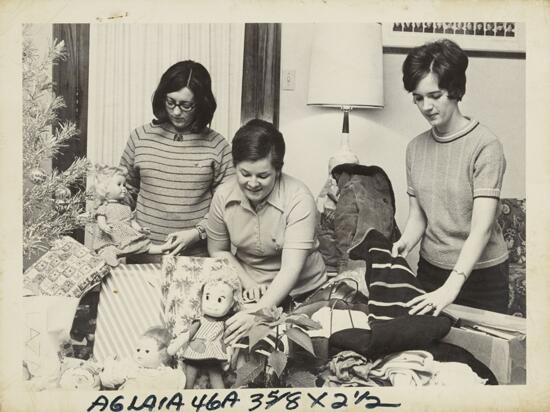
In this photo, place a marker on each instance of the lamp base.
(343, 155)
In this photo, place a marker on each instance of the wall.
(495, 95)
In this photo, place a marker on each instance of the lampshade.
(346, 66)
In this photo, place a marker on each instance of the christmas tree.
(53, 201)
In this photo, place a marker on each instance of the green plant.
(272, 371)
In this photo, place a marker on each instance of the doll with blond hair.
(118, 234)
(202, 346)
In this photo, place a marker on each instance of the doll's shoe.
(109, 256)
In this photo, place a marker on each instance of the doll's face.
(115, 189)
(147, 353)
(217, 299)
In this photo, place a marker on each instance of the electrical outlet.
(289, 79)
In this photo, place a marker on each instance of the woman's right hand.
(182, 239)
(399, 249)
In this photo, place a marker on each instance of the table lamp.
(346, 72)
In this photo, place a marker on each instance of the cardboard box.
(505, 357)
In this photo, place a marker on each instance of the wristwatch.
(202, 232)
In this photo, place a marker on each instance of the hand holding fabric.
(399, 248)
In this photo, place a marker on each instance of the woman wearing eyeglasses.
(176, 161)
(454, 176)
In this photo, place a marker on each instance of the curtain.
(127, 61)
(70, 80)
(261, 72)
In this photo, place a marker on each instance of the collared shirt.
(285, 220)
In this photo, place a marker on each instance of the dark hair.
(256, 140)
(194, 76)
(445, 59)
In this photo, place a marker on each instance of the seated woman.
(269, 218)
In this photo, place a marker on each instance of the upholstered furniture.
(512, 220)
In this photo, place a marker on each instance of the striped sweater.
(175, 176)
(390, 281)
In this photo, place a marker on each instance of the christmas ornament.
(37, 176)
(62, 193)
(61, 196)
(61, 205)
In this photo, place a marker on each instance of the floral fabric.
(512, 221)
(181, 282)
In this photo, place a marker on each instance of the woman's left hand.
(434, 301)
(182, 239)
(238, 325)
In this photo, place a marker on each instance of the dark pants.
(484, 289)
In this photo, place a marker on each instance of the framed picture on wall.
(497, 36)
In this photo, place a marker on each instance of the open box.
(506, 357)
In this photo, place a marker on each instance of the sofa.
(512, 221)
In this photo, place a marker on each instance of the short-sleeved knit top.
(176, 175)
(286, 220)
(445, 174)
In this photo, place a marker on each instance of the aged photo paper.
(310, 165)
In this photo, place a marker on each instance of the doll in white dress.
(117, 234)
(147, 370)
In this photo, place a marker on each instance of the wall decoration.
(499, 36)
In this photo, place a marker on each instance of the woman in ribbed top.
(454, 178)
(176, 162)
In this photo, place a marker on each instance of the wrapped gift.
(47, 321)
(129, 304)
(68, 269)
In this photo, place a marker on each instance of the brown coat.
(366, 201)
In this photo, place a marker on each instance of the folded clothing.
(391, 285)
(407, 368)
(396, 335)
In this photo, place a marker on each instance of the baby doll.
(203, 346)
(117, 234)
(147, 369)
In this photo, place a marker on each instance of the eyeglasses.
(183, 106)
